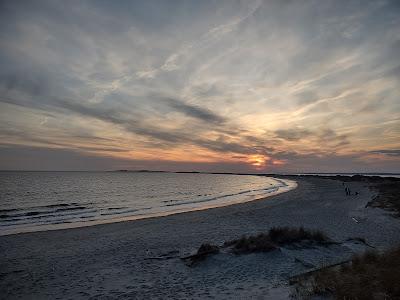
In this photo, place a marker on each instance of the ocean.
(393, 175)
(37, 201)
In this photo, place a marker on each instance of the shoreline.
(141, 259)
(289, 185)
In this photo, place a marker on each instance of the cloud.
(306, 97)
(324, 136)
(194, 111)
(20, 157)
(294, 134)
(328, 135)
(225, 79)
(391, 152)
(180, 136)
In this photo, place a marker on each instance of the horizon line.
(208, 172)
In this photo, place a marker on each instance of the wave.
(35, 211)
(123, 212)
(265, 190)
(62, 214)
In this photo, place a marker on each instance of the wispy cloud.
(389, 152)
(285, 85)
(194, 111)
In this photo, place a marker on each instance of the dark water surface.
(31, 201)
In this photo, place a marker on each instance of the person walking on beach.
(347, 190)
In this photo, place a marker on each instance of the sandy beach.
(141, 259)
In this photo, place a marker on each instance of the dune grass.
(388, 197)
(286, 235)
(371, 275)
(276, 237)
(258, 243)
(263, 242)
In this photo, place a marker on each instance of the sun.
(259, 162)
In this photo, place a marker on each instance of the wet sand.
(141, 259)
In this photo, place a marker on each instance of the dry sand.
(140, 259)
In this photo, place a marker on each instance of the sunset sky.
(234, 86)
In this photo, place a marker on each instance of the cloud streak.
(393, 152)
(194, 111)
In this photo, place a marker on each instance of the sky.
(218, 86)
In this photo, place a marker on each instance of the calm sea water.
(34, 201)
(395, 175)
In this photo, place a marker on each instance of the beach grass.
(287, 235)
(263, 242)
(388, 197)
(258, 243)
(275, 238)
(371, 275)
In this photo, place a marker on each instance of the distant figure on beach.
(348, 192)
